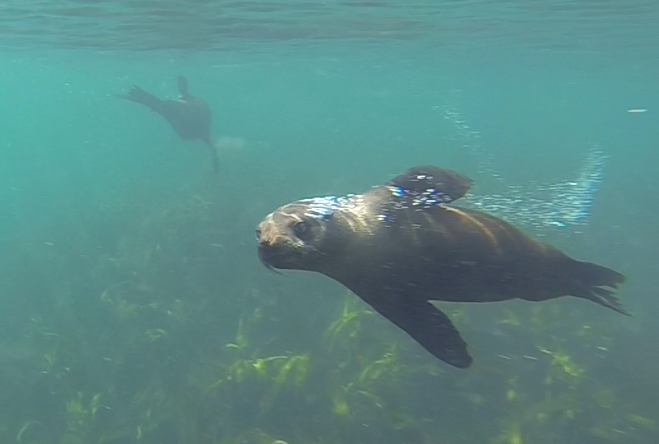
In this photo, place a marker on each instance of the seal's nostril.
(258, 234)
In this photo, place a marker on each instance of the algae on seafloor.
(135, 335)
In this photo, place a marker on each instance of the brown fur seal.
(400, 245)
(190, 116)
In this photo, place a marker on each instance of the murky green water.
(133, 306)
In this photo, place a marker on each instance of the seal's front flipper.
(138, 95)
(429, 326)
(427, 183)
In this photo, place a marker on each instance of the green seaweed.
(132, 335)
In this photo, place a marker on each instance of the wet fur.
(397, 255)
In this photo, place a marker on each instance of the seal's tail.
(597, 283)
(214, 158)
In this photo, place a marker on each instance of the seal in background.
(190, 116)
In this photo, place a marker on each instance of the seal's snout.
(263, 240)
(266, 234)
(268, 240)
(289, 239)
(263, 257)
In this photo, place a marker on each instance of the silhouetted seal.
(190, 116)
(399, 245)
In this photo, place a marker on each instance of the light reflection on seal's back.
(402, 244)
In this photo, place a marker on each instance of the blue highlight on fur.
(423, 199)
(323, 207)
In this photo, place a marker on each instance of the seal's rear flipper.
(429, 326)
(138, 95)
(214, 158)
(589, 281)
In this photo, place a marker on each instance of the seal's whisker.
(266, 264)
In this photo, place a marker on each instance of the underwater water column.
(565, 204)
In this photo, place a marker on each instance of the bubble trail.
(547, 206)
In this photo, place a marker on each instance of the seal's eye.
(302, 229)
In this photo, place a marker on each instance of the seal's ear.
(430, 184)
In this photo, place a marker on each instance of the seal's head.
(302, 235)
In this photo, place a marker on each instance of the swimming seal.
(190, 116)
(402, 244)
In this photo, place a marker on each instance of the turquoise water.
(134, 308)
